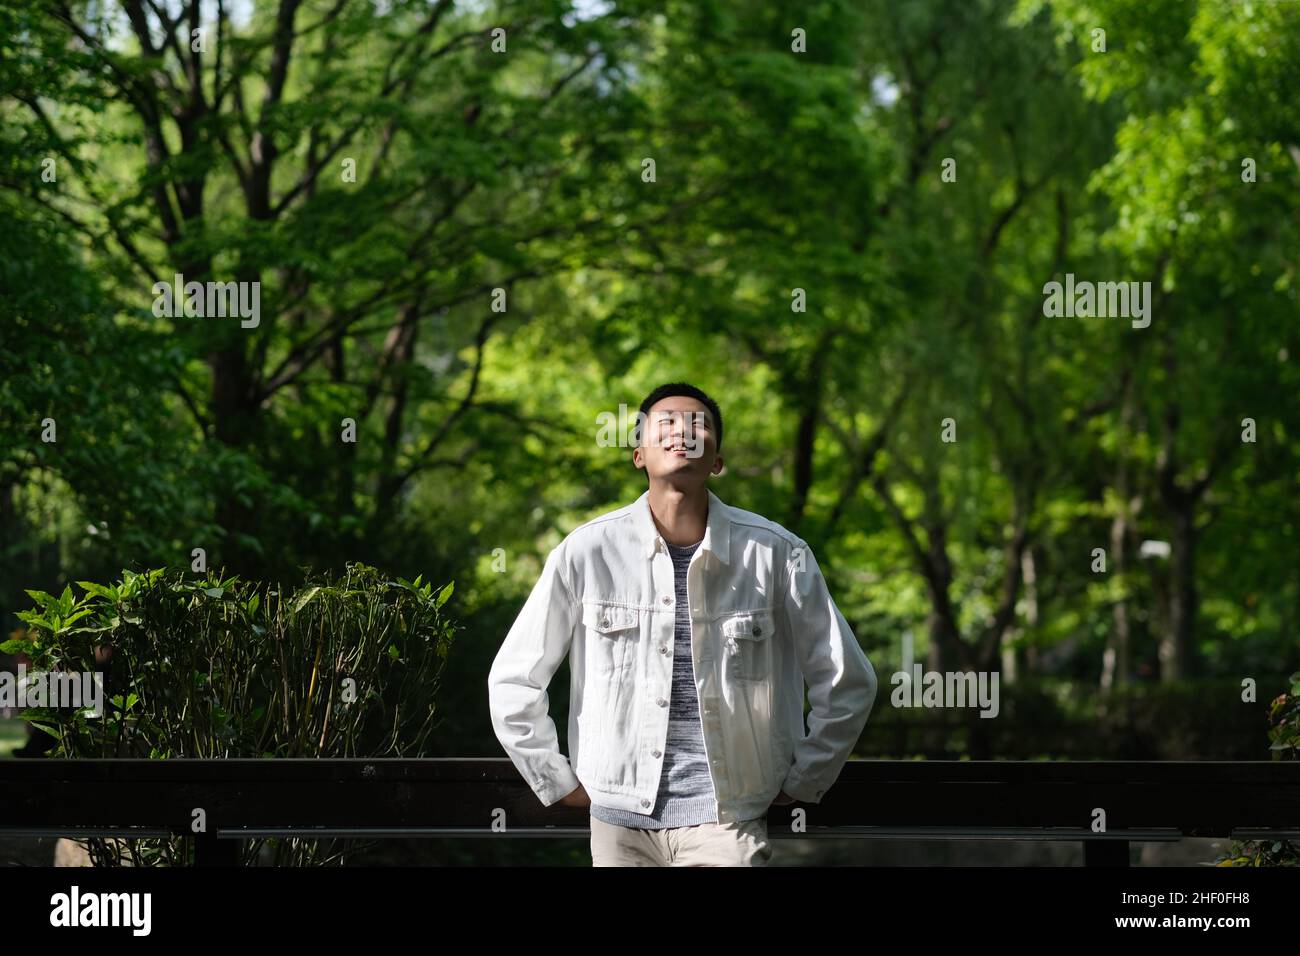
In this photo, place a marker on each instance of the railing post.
(1105, 853)
(209, 851)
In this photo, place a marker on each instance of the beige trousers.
(742, 843)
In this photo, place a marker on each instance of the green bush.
(1284, 734)
(1072, 720)
(343, 667)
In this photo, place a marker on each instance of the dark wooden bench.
(457, 797)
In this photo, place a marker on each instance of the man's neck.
(681, 516)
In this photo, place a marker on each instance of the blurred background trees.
(852, 212)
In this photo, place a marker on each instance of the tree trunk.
(1178, 657)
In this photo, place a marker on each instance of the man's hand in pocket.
(782, 799)
(576, 798)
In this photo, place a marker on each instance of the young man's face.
(678, 441)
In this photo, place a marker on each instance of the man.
(690, 628)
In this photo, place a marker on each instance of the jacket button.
(757, 630)
(604, 622)
(645, 803)
(655, 753)
(663, 648)
(667, 599)
(661, 702)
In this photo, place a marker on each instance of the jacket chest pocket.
(747, 645)
(612, 632)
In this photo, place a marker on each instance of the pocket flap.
(609, 618)
(749, 626)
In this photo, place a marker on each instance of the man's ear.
(718, 465)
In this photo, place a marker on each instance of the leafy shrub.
(1072, 720)
(1284, 736)
(213, 667)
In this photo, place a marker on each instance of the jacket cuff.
(554, 786)
(805, 791)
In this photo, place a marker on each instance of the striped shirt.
(686, 797)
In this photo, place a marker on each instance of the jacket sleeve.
(841, 681)
(537, 642)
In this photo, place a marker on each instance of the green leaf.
(445, 593)
(304, 598)
(98, 590)
(77, 615)
(43, 598)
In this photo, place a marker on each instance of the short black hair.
(680, 388)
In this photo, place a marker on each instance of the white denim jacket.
(762, 621)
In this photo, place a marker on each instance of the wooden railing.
(396, 798)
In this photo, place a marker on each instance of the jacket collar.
(717, 531)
